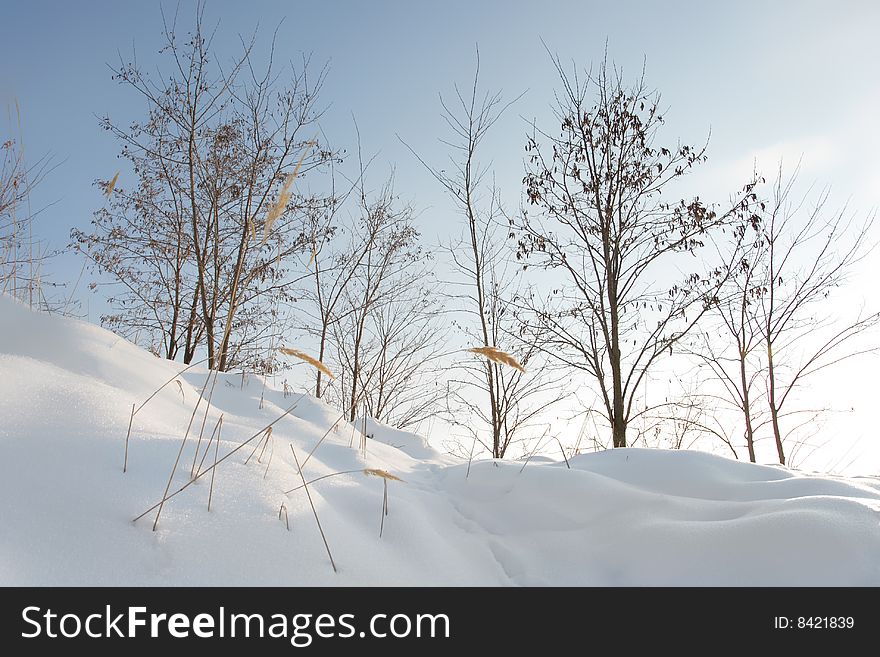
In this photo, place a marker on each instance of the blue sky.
(770, 79)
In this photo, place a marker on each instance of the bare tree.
(604, 230)
(401, 382)
(729, 349)
(22, 254)
(383, 332)
(484, 285)
(212, 214)
(773, 316)
(331, 266)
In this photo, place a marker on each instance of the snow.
(620, 517)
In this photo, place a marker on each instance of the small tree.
(495, 400)
(198, 244)
(384, 329)
(772, 313)
(21, 253)
(606, 234)
(729, 351)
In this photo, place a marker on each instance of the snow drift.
(621, 517)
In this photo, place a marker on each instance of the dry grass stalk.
(314, 510)
(214, 468)
(265, 443)
(208, 446)
(364, 437)
(535, 451)
(495, 354)
(180, 452)
(567, 464)
(367, 471)
(266, 433)
(144, 403)
(326, 476)
(130, 420)
(190, 482)
(286, 519)
(168, 382)
(470, 458)
(326, 433)
(111, 185)
(269, 462)
(180, 388)
(384, 506)
(529, 458)
(283, 196)
(204, 419)
(314, 362)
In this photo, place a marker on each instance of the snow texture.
(620, 517)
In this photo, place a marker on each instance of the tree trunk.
(321, 358)
(356, 369)
(771, 399)
(191, 339)
(200, 263)
(618, 420)
(747, 408)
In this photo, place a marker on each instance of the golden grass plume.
(111, 185)
(495, 354)
(284, 195)
(384, 474)
(314, 362)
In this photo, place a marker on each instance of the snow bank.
(622, 517)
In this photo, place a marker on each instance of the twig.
(314, 510)
(214, 469)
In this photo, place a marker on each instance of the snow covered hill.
(622, 517)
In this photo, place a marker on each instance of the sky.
(770, 80)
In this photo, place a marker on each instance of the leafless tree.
(401, 382)
(199, 244)
(484, 285)
(600, 225)
(773, 320)
(384, 327)
(331, 266)
(22, 253)
(728, 349)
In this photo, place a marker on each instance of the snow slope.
(621, 517)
